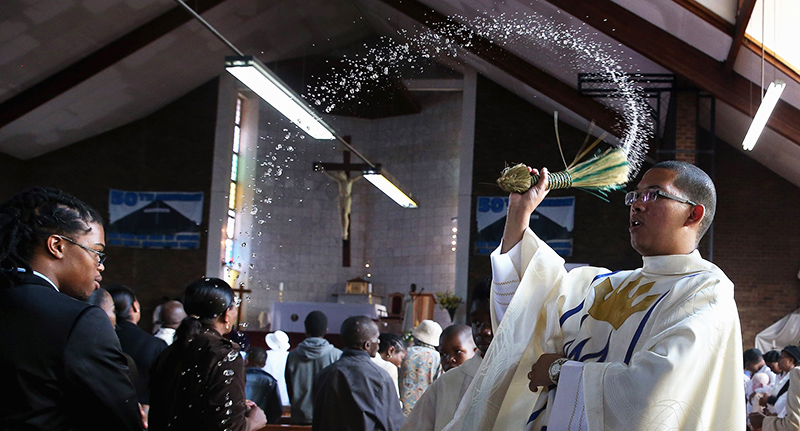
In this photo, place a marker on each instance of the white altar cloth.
(289, 316)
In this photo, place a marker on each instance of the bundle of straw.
(600, 174)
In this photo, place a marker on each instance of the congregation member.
(456, 346)
(136, 342)
(101, 298)
(61, 365)
(198, 383)
(422, 364)
(775, 403)
(354, 394)
(261, 387)
(304, 363)
(171, 316)
(783, 411)
(596, 349)
(278, 343)
(758, 378)
(389, 367)
(771, 359)
(392, 351)
(437, 406)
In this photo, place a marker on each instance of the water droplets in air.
(561, 49)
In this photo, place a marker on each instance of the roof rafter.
(681, 58)
(742, 19)
(85, 68)
(513, 65)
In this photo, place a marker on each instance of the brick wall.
(686, 126)
(757, 239)
(169, 150)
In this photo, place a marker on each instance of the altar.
(289, 316)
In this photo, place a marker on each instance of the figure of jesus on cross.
(340, 172)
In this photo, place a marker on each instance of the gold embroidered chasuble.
(660, 345)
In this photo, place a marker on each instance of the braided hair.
(32, 215)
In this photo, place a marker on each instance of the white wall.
(294, 236)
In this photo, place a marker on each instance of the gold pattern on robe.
(618, 306)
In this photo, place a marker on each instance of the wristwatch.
(555, 369)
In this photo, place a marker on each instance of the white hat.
(428, 332)
(277, 340)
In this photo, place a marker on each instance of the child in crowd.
(437, 406)
(456, 346)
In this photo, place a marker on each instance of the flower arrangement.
(449, 301)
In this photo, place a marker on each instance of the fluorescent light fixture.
(762, 115)
(386, 183)
(269, 87)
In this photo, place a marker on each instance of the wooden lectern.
(423, 307)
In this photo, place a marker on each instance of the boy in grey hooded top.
(304, 363)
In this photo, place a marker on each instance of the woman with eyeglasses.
(198, 383)
(61, 365)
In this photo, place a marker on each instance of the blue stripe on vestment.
(570, 313)
(640, 329)
(601, 355)
(536, 414)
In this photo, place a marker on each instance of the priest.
(599, 350)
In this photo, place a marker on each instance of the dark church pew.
(285, 427)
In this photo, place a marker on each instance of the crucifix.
(239, 292)
(340, 172)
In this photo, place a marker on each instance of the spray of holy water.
(564, 47)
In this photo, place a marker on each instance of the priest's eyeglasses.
(650, 195)
(101, 257)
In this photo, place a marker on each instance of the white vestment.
(660, 346)
(438, 404)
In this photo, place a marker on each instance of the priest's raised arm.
(600, 350)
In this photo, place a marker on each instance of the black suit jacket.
(61, 366)
(144, 349)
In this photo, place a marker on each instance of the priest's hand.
(520, 208)
(540, 371)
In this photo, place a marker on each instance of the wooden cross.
(240, 291)
(346, 167)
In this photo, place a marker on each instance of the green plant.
(448, 300)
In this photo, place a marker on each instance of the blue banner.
(154, 219)
(553, 221)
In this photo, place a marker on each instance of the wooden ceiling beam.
(78, 72)
(513, 65)
(682, 59)
(742, 19)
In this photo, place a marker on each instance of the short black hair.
(772, 356)
(357, 330)
(32, 215)
(256, 357)
(752, 356)
(391, 340)
(123, 298)
(99, 297)
(697, 186)
(481, 292)
(455, 330)
(316, 324)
